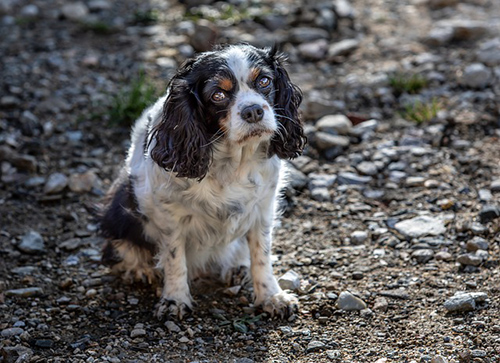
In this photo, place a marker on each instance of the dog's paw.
(281, 304)
(171, 308)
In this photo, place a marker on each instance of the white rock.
(30, 11)
(326, 141)
(421, 226)
(75, 11)
(348, 301)
(344, 47)
(334, 124)
(359, 237)
(289, 281)
(476, 75)
(56, 183)
(32, 243)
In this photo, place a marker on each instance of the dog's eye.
(264, 82)
(218, 96)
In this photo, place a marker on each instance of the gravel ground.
(391, 230)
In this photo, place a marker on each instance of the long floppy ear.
(182, 141)
(290, 140)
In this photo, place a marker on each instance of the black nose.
(252, 114)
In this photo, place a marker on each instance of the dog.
(197, 194)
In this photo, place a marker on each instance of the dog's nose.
(252, 114)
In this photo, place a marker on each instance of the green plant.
(240, 324)
(421, 112)
(146, 17)
(97, 27)
(128, 105)
(401, 83)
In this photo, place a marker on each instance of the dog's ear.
(181, 139)
(290, 140)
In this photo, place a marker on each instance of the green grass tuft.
(420, 112)
(128, 105)
(98, 27)
(402, 83)
(147, 17)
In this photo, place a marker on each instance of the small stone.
(460, 303)
(484, 195)
(421, 226)
(44, 343)
(25, 292)
(9, 101)
(343, 9)
(91, 293)
(296, 179)
(348, 301)
(489, 53)
(81, 183)
(477, 243)
(473, 259)
(32, 243)
(289, 281)
(495, 186)
(30, 11)
(137, 333)
(315, 346)
(334, 124)
(438, 4)
(75, 11)
(381, 304)
(71, 244)
(445, 204)
(99, 5)
(423, 255)
(478, 353)
(476, 75)
(443, 256)
(367, 168)
(359, 237)
(343, 48)
(414, 181)
(232, 291)
(313, 50)
(348, 178)
(489, 213)
(306, 34)
(55, 183)
(11, 332)
(172, 327)
(357, 275)
(326, 141)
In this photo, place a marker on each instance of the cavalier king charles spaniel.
(198, 191)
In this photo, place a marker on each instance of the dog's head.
(238, 93)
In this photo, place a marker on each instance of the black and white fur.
(198, 190)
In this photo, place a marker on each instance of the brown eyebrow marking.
(226, 84)
(254, 73)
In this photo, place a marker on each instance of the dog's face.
(238, 93)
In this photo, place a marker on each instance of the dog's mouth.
(256, 133)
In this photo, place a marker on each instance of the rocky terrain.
(391, 229)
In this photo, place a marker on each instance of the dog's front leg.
(266, 289)
(176, 299)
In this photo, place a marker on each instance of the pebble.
(315, 346)
(464, 301)
(290, 281)
(138, 332)
(306, 34)
(172, 327)
(348, 178)
(359, 237)
(477, 243)
(319, 185)
(415, 181)
(423, 255)
(489, 213)
(75, 11)
(296, 179)
(326, 141)
(381, 304)
(334, 124)
(476, 75)
(443, 256)
(495, 186)
(55, 183)
(11, 332)
(32, 243)
(343, 48)
(473, 258)
(30, 11)
(421, 226)
(313, 50)
(367, 168)
(9, 101)
(348, 301)
(484, 195)
(25, 292)
(99, 5)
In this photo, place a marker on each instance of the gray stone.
(343, 9)
(460, 303)
(473, 258)
(296, 179)
(334, 124)
(439, 36)
(489, 213)
(489, 53)
(495, 186)
(32, 243)
(75, 11)
(443, 256)
(421, 226)
(464, 29)
(477, 243)
(381, 304)
(484, 195)
(423, 255)
(138, 332)
(306, 34)
(326, 141)
(9, 101)
(172, 327)
(98, 5)
(25, 292)
(30, 11)
(359, 237)
(348, 301)
(397, 176)
(11, 332)
(290, 281)
(414, 181)
(314, 346)
(348, 178)
(367, 168)
(315, 50)
(476, 75)
(55, 183)
(71, 244)
(343, 48)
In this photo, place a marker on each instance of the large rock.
(32, 243)
(421, 226)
